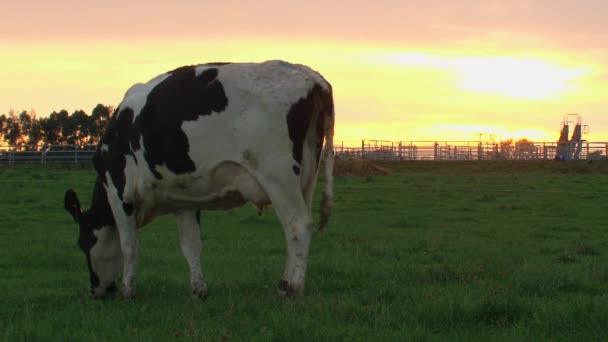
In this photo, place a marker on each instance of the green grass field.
(437, 251)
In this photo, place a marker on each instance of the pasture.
(471, 251)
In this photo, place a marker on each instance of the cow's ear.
(72, 205)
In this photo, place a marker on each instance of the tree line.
(25, 131)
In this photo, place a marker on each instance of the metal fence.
(470, 150)
(367, 149)
(48, 154)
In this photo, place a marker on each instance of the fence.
(368, 149)
(48, 154)
(470, 150)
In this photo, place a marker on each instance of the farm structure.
(572, 148)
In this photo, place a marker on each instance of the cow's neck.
(100, 207)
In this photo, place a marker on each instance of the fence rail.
(368, 149)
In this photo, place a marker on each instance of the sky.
(401, 70)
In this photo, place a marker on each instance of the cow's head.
(98, 240)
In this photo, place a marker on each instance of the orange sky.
(401, 70)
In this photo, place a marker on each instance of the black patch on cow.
(315, 106)
(86, 241)
(326, 112)
(118, 138)
(128, 208)
(112, 288)
(72, 205)
(283, 285)
(183, 96)
(99, 165)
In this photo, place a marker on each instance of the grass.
(437, 251)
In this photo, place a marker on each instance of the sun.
(514, 77)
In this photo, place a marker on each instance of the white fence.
(368, 149)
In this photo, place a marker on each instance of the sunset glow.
(533, 79)
(393, 78)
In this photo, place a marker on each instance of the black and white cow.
(207, 137)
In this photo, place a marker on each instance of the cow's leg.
(296, 219)
(190, 241)
(124, 214)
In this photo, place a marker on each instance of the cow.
(208, 137)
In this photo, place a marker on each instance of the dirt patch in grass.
(364, 168)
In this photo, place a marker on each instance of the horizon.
(455, 71)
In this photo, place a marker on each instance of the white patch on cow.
(134, 89)
(129, 194)
(191, 245)
(106, 258)
(274, 83)
(137, 96)
(127, 228)
(259, 98)
(296, 219)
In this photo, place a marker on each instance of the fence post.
(400, 151)
(437, 145)
(362, 149)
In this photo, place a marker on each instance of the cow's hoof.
(288, 291)
(104, 293)
(127, 294)
(200, 293)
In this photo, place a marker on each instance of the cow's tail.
(327, 200)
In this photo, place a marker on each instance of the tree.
(30, 130)
(3, 125)
(53, 128)
(506, 149)
(13, 131)
(27, 131)
(98, 122)
(79, 128)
